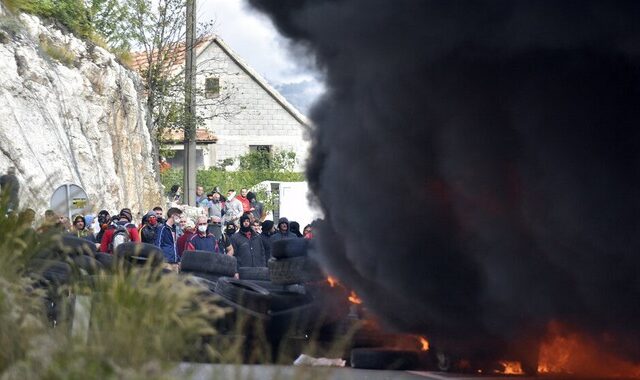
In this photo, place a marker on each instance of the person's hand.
(236, 276)
(252, 209)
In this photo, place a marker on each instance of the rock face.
(70, 113)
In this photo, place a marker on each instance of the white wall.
(252, 115)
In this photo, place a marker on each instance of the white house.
(242, 111)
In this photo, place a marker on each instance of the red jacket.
(246, 204)
(108, 236)
(182, 242)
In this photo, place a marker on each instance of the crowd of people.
(232, 224)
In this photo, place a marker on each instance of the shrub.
(59, 53)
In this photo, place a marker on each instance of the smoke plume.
(478, 162)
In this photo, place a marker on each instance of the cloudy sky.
(253, 37)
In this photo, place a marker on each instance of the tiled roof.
(175, 55)
(176, 135)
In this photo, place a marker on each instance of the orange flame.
(565, 351)
(353, 298)
(332, 281)
(424, 343)
(511, 368)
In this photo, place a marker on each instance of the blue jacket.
(164, 240)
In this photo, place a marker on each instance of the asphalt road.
(268, 372)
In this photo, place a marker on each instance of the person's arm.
(104, 243)
(135, 236)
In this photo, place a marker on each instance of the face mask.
(202, 229)
(153, 221)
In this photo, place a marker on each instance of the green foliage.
(141, 321)
(263, 161)
(59, 53)
(71, 13)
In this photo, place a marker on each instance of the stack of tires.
(290, 263)
(208, 265)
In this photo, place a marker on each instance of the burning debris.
(495, 150)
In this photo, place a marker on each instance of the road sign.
(69, 199)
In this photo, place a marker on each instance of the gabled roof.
(140, 61)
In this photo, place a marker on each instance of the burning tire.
(208, 262)
(254, 273)
(294, 270)
(244, 293)
(384, 358)
(139, 253)
(288, 248)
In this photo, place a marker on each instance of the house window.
(211, 87)
(260, 148)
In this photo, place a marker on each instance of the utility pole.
(190, 107)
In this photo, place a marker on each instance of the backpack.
(120, 235)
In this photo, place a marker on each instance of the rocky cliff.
(70, 113)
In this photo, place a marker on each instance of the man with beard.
(201, 198)
(248, 247)
(216, 207)
(79, 229)
(282, 231)
(149, 228)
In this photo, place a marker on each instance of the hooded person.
(248, 247)
(121, 231)
(104, 220)
(294, 227)
(149, 228)
(282, 231)
(267, 231)
(79, 229)
(256, 208)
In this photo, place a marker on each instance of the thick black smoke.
(478, 162)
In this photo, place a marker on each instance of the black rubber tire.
(202, 282)
(244, 293)
(72, 245)
(295, 247)
(89, 264)
(139, 253)
(294, 270)
(52, 271)
(208, 262)
(206, 276)
(283, 300)
(105, 259)
(385, 359)
(254, 273)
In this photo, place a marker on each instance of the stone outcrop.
(70, 113)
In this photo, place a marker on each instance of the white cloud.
(253, 37)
